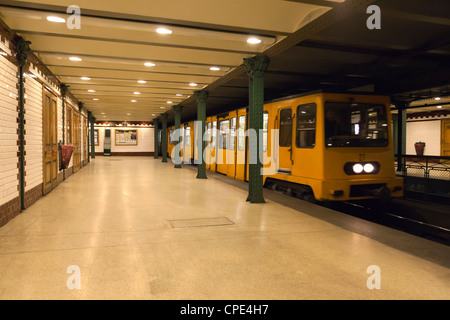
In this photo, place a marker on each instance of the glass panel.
(355, 125)
(265, 127)
(214, 135)
(306, 126)
(232, 133)
(187, 136)
(171, 140)
(241, 134)
(223, 133)
(286, 128)
(207, 137)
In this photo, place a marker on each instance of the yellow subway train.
(319, 146)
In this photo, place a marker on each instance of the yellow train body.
(298, 149)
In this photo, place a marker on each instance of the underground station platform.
(218, 160)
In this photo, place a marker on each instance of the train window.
(285, 128)
(207, 137)
(265, 129)
(171, 140)
(224, 130)
(241, 134)
(232, 133)
(187, 136)
(214, 135)
(355, 125)
(306, 126)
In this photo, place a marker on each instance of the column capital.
(177, 108)
(80, 106)
(257, 65)
(23, 49)
(164, 116)
(401, 104)
(64, 89)
(201, 95)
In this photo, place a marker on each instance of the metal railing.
(426, 175)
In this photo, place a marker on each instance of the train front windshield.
(350, 124)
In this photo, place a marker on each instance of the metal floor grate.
(202, 222)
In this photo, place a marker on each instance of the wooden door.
(50, 142)
(76, 141)
(445, 150)
(84, 126)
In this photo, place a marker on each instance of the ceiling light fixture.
(85, 78)
(164, 31)
(56, 19)
(179, 95)
(95, 99)
(149, 64)
(136, 93)
(214, 69)
(439, 107)
(437, 98)
(133, 100)
(192, 84)
(75, 59)
(169, 102)
(90, 90)
(142, 81)
(253, 41)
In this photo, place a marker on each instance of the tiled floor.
(114, 221)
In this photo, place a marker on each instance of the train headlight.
(368, 168)
(358, 168)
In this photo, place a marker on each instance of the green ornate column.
(92, 121)
(256, 67)
(177, 157)
(201, 125)
(400, 131)
(164, 137)
(155, 125)
(23, 49)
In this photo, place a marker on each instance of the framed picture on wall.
(126, 137)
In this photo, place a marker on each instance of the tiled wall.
(9, 183)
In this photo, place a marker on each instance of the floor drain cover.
(203, 222)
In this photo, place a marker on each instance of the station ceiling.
(312, 45)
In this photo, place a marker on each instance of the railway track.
(403, 214)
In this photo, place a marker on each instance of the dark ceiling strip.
(145, 19)
(134, 59)
(322, 3)
(113, 85)
(131, 70)
(327, 19)
(155, 44)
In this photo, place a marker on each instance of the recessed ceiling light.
(102, 113)
(169, 102)
(142, 81)
(179, 95)
(193, 84)
(56, 19)
(75, 59)
(253, 40)
(128, 114)
(85, 78)
(164, 31)
(136, 92)
(437, 98)
(162, 107)
(133, 100)
(95, 99)
(214, 69)
(90, 90)
(149, 64)
(153, 114)
(439, 107)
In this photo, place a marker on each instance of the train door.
(213, 165)
(207, 139)
(240, 145)
(286, 133)
(231, 150)
(222, 145)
